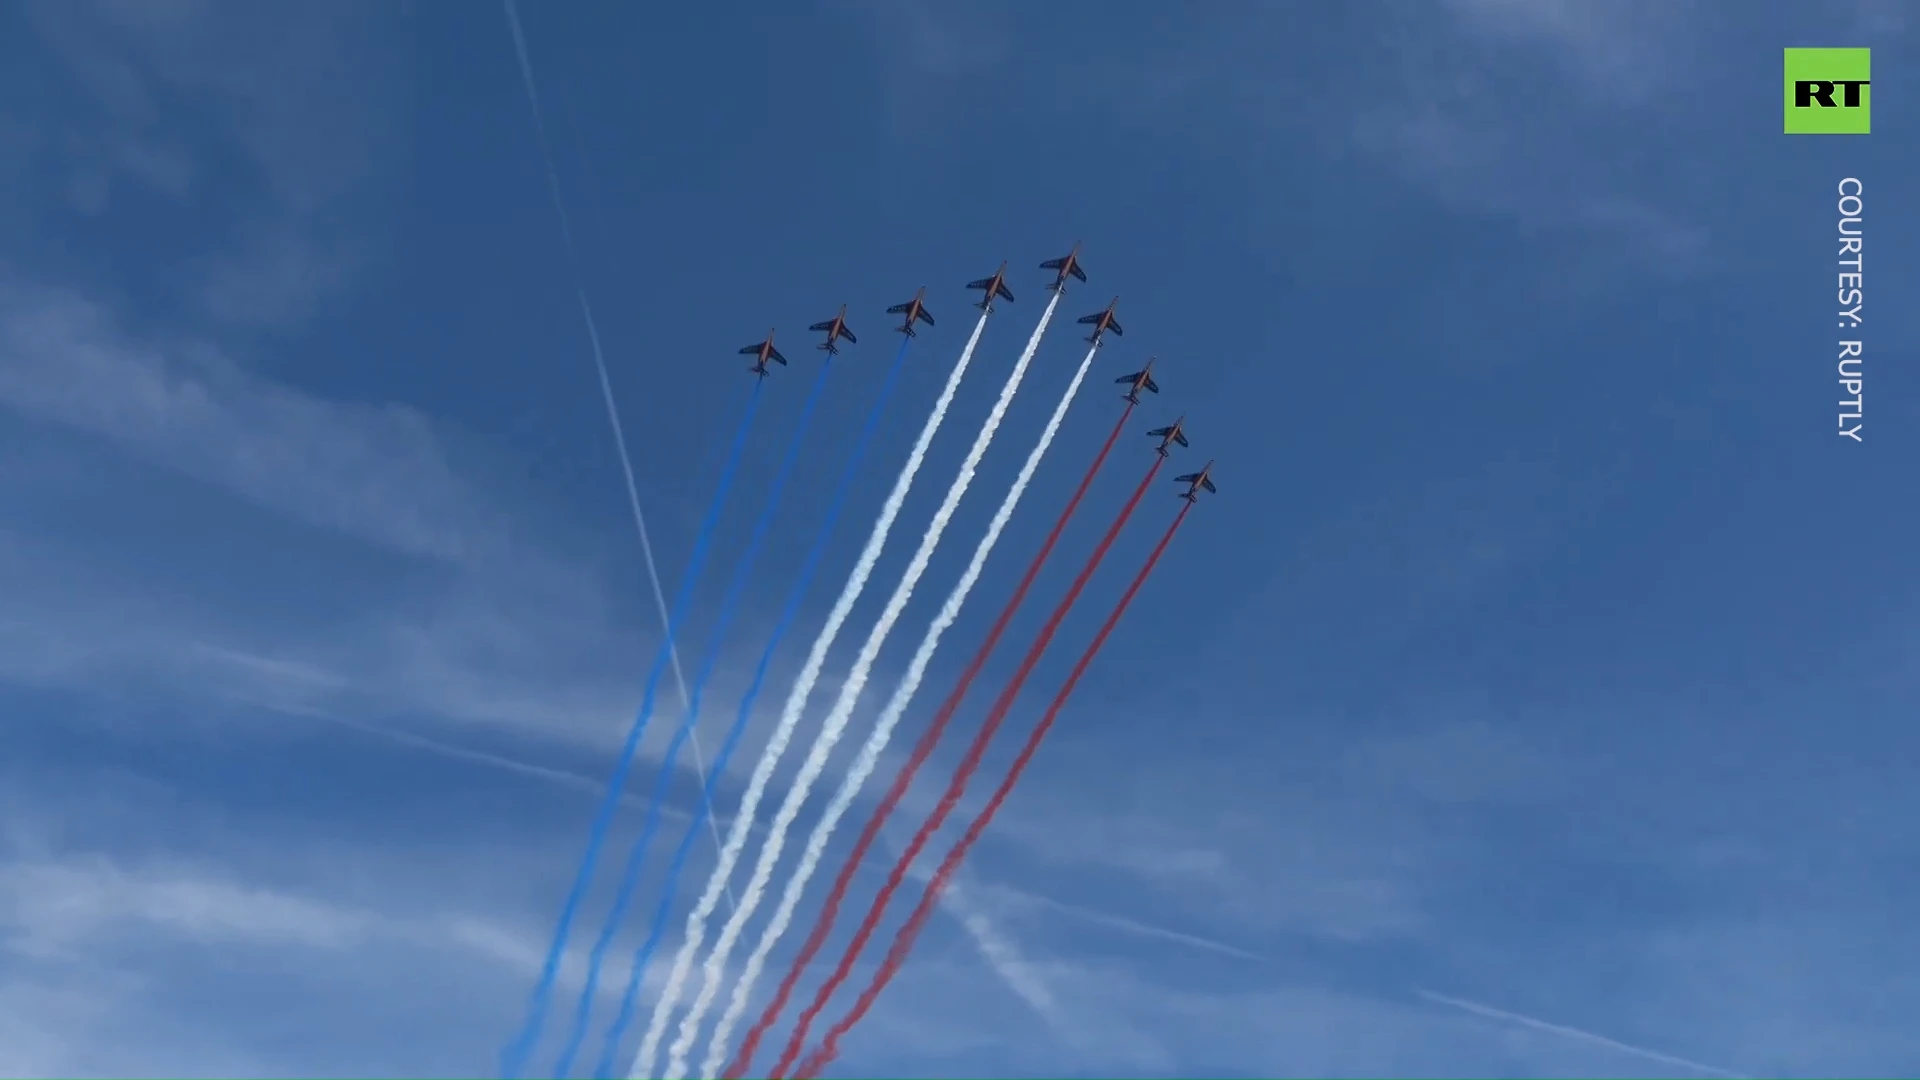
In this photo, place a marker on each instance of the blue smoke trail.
(514, 1057)
(729, 607)
(630, 1000)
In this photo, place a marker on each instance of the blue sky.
(1532, 682)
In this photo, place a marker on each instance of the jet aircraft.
(1195, 481)
(1063, 266)
(995, 286)
(1141, 380)
(1102, 321)
(1172, 434)
(835, 328)
(765, 352)
(912, 309)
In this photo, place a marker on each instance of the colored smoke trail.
(696, 931)
(903, 941)
(663, 782)
(522, 1046)
(841, 713)
(657, 930)
(869, 757)
(956, 788)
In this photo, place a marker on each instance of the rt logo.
(1827, 92)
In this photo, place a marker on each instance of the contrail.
(1125, 925)
(696, 931)
(788, 613)
(543, 992)
(710, 660)
(1002, 955)
(916, 922)
(1492, 1013)
(957, 786)
(599, 359)
(835, 724)
(869, 756)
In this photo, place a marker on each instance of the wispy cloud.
(378, 473)
(54, 906)
(1464, 121)
(299, 225)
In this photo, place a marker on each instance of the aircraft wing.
(819, 326)
(752, 350)
(1149, 385)
(774, 355)
(899, 308)
(848, 334)
(1208, 484)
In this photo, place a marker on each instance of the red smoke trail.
(958, 785)
(903, 941)
(823, 925)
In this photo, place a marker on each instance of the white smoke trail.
(796, 703)
(869, 756)
(835, 724)
(606, 393)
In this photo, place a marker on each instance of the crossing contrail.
(790, 611)
(1576, 1034)
(516, 1056)
(606, 389)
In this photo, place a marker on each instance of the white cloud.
(136, 921)
(156, 86)
(380, 473)
(1621, 50)
(504, 629)
(54, 906)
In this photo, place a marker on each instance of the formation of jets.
(994, 288)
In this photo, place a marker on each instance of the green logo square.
(1827, 91)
